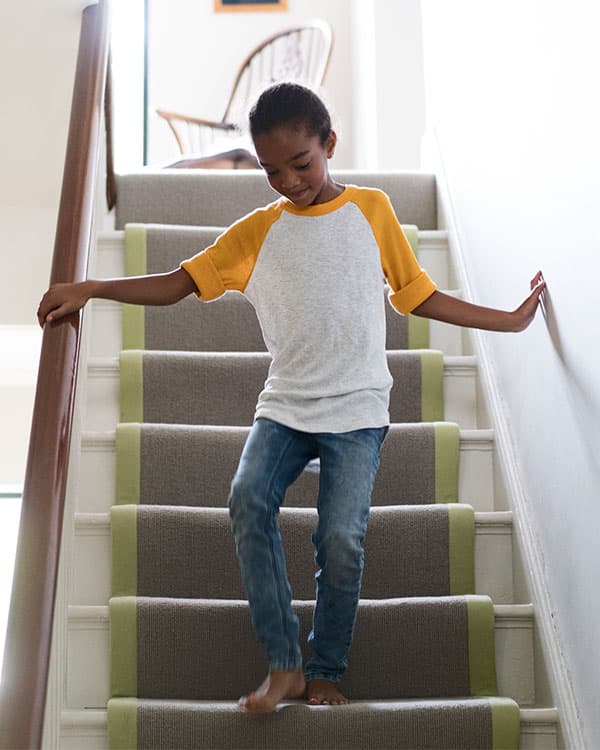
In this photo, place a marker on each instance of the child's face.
(296, 164)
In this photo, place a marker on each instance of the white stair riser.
(476, 471)
(445, 338)
(493, 562)
(107, 337)
(88, 653)
(102, 411)
(460, 391)
(92, 549)
(86, 730)
(98, 472)
(542, 735)
(433, 256)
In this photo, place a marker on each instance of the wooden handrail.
(29, 634)
(111, 182)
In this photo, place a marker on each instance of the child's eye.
(303, 166)
(270, 174)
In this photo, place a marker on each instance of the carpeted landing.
(422, 665)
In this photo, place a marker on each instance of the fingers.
(54, 305)
(58, 312)
(43, 310)
(537, 279)
(46, 307)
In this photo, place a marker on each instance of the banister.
(29, 632)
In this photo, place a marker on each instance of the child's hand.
(61, 300)
(524, 314)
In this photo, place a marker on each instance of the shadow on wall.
(586, 408)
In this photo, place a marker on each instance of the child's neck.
(330, 191)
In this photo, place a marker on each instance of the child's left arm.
(440, 306)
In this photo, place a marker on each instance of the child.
(313, 264)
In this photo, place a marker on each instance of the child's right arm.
(156, 289)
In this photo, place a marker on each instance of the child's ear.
(330, 144)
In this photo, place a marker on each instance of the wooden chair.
(300, 54)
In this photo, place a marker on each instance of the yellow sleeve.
(228, 263)
(410, 284)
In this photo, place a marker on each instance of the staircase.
(152, 480)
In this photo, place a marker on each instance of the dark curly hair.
(290, 104)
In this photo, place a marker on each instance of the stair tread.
(533, 721)
(99, 613)
(482, 518)
(97, 716)
(106, 438)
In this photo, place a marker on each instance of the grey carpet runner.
(461, 724)
(189, 552)
(216, 199)
(226, 324)
(164, 464)
(203, 649)
(223, 387)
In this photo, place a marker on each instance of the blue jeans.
(273, 457)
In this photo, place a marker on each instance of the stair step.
(92, 576)
(433, 254)
(107, 316)
(88, 653)
(98, 461)
(172, 464)
(103, 412)
(212, 197)
(87, 729)
(107, 326)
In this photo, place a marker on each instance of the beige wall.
(512, 92)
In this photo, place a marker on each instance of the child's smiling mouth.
(297, 194)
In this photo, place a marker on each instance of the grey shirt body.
(316, 281)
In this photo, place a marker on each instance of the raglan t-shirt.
(315, 276)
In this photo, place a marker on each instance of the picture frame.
(244, 6)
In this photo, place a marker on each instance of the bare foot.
(278, 684)
(324, 693)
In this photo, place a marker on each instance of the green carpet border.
(411, 231)
(482, 650)
(122, 723)
(123, 519)
(418, 332)
(123, 658)
(506, 724)
(461, 532)
(128, 457)
(432, 385)
(447, 459)
(132, 386)
(135, 265)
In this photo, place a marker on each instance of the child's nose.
(289, 180)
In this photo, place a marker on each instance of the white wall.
(399, 84)
(388, 91)
(512, 91)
